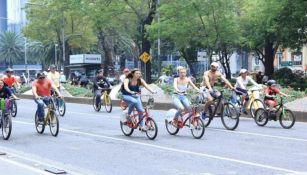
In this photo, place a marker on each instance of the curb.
(300, 116)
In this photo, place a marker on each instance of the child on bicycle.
(270, 93)
(6, 93)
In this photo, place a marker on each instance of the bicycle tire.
(129, 130)
(261, 117)
(168, 125)
(282, 121)
(153, 126)
(108, 103)
(14, 108)
(54, 116)
(63, 104)
(230, 112)
(255, 104)
(96, 108)
(201, 126)
(40, 128)
(6, 124)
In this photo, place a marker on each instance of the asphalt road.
(91, 142)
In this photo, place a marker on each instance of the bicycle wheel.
(208, 118)
(257, 103)
(171, 129)
(6, 128)
(96, 108)
(40, 128)
(261, 117)
(287, 119)
(230, 117)
(61, 107)
(108, 103)
(123, 105)
(127, 131)
(14, 108)
(198, 128)
(152, 129)
(53, 124)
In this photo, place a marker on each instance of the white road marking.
(24, 166)
(175, 150)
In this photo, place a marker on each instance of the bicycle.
(6, 121)
(191, 121)
(105, 98)
(286, 117)
(228, 112)
(60, 104)
(13, 104)
(50, 118)
(130, 123)
(254, 102)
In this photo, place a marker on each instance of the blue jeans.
(97, 94)
(134, 101)
(40, 107)
(181, 102)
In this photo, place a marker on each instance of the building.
(3, 15)
(16, 15)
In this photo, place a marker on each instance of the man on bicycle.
(9, 79)
(209, 79)
(241, 89)
(100, 82)
(41, 89)
(6, 93)
(54, 76)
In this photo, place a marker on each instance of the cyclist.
(100, 82)
(54, 76)
(270, 92)
(9, 79)
(6, 93)
(130, 88)
(181, 85)
(41, 89)
(240, 86)
(124, 75)
(209, 79)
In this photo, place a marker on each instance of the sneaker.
(143, 128)
(203, 115)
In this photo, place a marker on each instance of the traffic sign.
(145, 57)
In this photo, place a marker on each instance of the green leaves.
(11, 47)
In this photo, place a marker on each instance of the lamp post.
(26, 59)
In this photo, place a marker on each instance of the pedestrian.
(163, 79)
(259, 77)
(124, 75)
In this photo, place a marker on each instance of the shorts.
(268, 101)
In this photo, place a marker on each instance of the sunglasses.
(41, 77)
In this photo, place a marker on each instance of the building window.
(296, 58)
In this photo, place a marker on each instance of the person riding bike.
(181, 84)
(9, 79)
(6, 93)
(100, 82)
(209, 79)
(54, 76)
(270, 92)
(41, 89)
(124, 75)
(241, 89)
(130, 89)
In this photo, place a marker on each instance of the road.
(91, 142)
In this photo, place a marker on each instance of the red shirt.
(271, 91)
(43, 88)
(9, 81)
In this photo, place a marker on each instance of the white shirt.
(241, 83)
(122, 78)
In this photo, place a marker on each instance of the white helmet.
(242, 71)
(170, 114)
(215, 64)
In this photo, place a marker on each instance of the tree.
(11, 47)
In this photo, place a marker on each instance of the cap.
(242, 71)
(215, 64)
(9, 70)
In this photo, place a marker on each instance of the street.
(91, 142)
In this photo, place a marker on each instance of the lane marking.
(28, 167)
(175, 150)
(215, 129)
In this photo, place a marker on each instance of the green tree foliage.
(11, 48)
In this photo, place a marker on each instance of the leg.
(98, 96)
(40, 109)
(139, 107)
(178, 104)
(7, 105)
(130, 102)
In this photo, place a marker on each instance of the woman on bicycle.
(100, 82)
(130, 89)
(6, 93)
(240, 86)
(181, 84)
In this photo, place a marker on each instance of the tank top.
(182, 87)
(135, 88)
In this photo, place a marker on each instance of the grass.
(78, 91)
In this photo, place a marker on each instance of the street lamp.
(26, 60)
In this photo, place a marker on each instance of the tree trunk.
(107, 48)
(269, 59)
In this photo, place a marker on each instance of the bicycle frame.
(220, 101)
(191, 114)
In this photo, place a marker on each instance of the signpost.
(145, 57)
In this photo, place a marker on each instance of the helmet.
(126, 70)
(271, 83)
(170, 114)
(9, 70)
(215, 64)
(40, 75)
(52, 66)
(242, 71)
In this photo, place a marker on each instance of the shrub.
(78, 91)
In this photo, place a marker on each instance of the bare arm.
(147, 86)
(34, 92)
(56, 89)
(226, 81)
(193, 85)
(254, 83)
